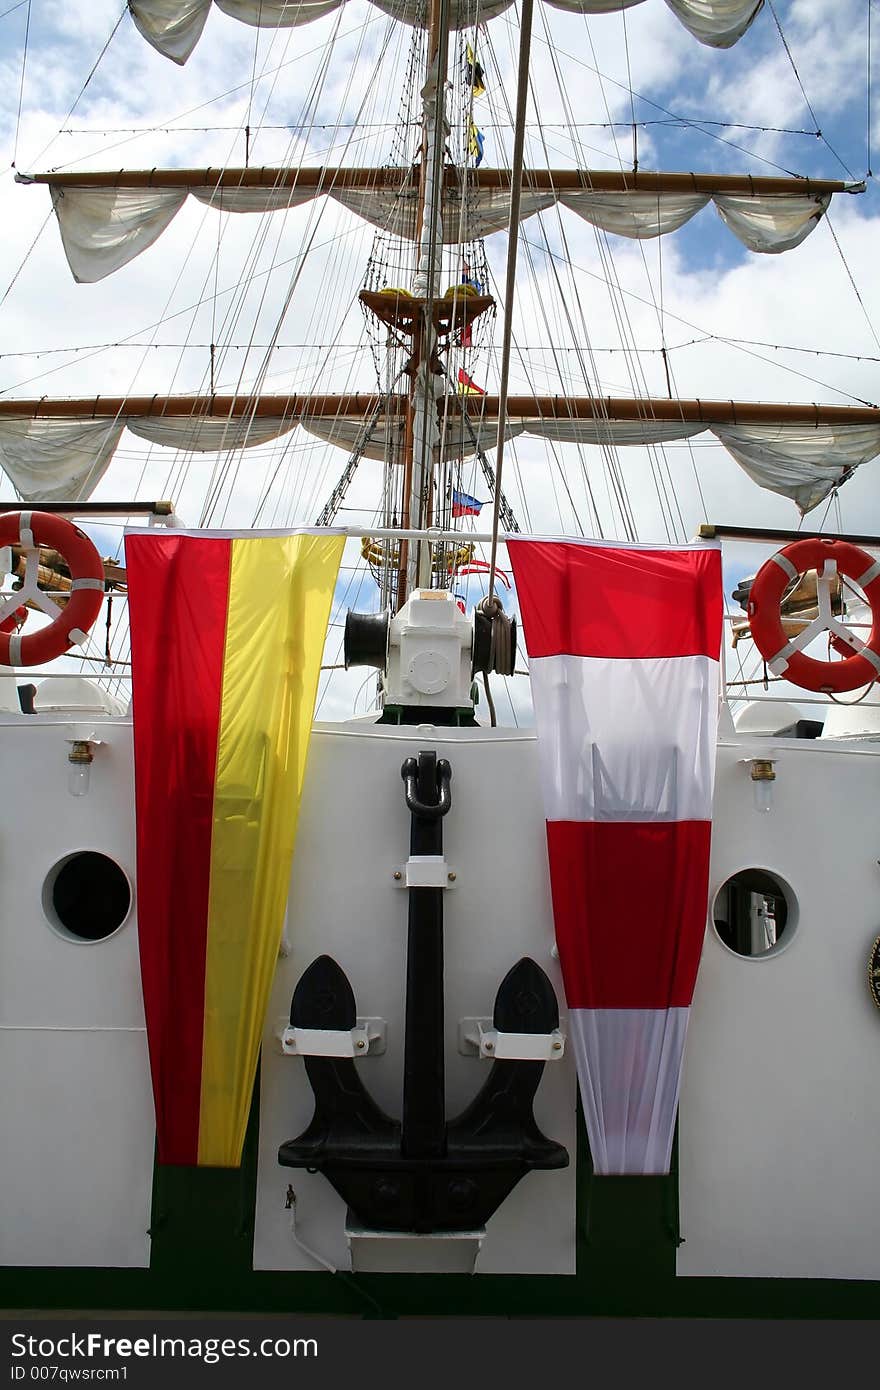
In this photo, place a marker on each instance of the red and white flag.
(624, 645)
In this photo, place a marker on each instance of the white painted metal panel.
(353, 833)
(779, 1122)
(78, 1142)
(74, 1076)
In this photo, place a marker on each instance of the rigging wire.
(24, 55)
(247, 128)
(869, 173)
(77, 99)
(632, 95)
(541, 311)
(638, 381)
(371, 92)
(808, 103)
(24, 260)
(675, 122)
(852, 281)
(685, 122)
(300, 56)
(732, 342)
(194, 346)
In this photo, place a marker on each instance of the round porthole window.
(86, 896)
(754, 913)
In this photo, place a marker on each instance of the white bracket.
(425, 871)
(368, 1036)
(480, 1036)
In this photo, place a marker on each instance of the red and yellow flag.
(467, 386)
(227, 635)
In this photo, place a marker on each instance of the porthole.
(755, 913)
(86, 897)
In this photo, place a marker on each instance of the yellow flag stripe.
(281, 589)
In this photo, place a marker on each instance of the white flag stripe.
(626, 740)
(629, 1069)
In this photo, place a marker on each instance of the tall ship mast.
(546, 660)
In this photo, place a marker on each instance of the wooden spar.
(518, 407)
(536, 180)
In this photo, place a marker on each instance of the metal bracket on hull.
(367, 1036)
(478, 1036)
(424, 1174)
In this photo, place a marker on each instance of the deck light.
(81, 744)
(79, 773)
(763, 777)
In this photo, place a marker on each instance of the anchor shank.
(424, 1101)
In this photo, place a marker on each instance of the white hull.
(778, 1134)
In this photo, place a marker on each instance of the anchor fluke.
(346, 1117)
(501, 1114)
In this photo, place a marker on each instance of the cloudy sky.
(86, 92)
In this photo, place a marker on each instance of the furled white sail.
(462, 438)
(103, 229)
(61, 460)
(209, 433)
(635, 214)
(776, 222)
(57, 460)
(803, 462)
(717, 23)
(174, 27)
(614, 432)
(102, 234)
(798, 461)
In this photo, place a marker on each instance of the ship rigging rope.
(177, 469)
(522, 348)
(737, 343)
(852, 281)
(37, 159)
(614, 477)
(300, 56)
(667, 493)
(24, 54)
(688, 122)
(869, 171)
(808, 103)
(522, 92)
(228, 469)
(316, 218)
(236, 308)
(239, 291)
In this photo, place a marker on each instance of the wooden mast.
(430, 167)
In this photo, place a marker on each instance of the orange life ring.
(71, 623)
(783, 656)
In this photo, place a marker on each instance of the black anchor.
(425, 1173)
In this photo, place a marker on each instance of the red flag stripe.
(178, 623)
(593, 600)
(629, 903)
